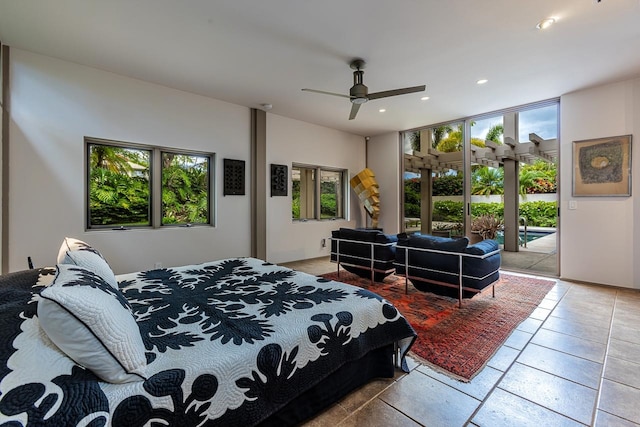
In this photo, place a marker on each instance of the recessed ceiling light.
(424, 98)
(482, 81)
(382, 110)
(545, 23)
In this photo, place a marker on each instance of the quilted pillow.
(70, 244)
(77, 252)
(92, 323)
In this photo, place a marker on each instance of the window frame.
(316, 199)
(155, 184)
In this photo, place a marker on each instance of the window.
(543, 121)
(314, 198)
(185, 189)
(122, 191)
(119, 186)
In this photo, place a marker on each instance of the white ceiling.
(250, 52)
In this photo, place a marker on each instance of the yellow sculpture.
(366, 187)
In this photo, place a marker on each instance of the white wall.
(54, 105)
(600, 240)
(292, 141)
(383, 158)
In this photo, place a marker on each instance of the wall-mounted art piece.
(233, 177)
(279, 180)
(602, 167)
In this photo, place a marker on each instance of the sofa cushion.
(426, 241)
(482, 247)
(386, 238)
(360, 235)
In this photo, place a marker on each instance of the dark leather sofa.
(446, 266)
(369, 253)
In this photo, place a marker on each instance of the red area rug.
(459, 341)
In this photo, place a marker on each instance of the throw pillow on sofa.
(427, 241)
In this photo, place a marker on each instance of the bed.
(231, 342)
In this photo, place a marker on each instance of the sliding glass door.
(488, 176)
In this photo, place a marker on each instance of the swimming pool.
(531, 236)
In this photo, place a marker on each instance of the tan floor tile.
(540, 313)
(377, 414)
(623, 372)
(604, 419)
(503, 409)
(364, 394)
(479, 386)
(602, 320)
(586, 349)
(552, 392)
(624, 350)
(581, 371)
(629, 333)
(530, 325)
(577, 329)
(329, 417)
(518, 339)
(440, 404)
(503, 358)
(548, 303)
(620, 400)
(626, 316)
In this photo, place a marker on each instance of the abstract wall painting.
(602, 167)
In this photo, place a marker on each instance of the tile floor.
(575, 361)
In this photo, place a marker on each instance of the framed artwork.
(279, 180)
(233, 177)
(602, 167)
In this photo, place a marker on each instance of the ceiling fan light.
(545, 23)
(359, 100)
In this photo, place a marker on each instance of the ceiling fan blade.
(395, 92)
(354, 110)
(328, 93)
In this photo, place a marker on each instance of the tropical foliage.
(185, 189)
(119, 187)
(538, 213)
(328, 205)
(118, 199)
(486, 181)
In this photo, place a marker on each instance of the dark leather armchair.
(369, 253)
(446, 266)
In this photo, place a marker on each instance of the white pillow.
(92, 262)
(92, 323)
(77, 252)
(73, 244)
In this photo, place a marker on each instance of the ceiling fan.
(359, 93)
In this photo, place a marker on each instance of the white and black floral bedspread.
(228, 343)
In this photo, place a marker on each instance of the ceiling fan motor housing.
(358, 91)
(359, 94)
